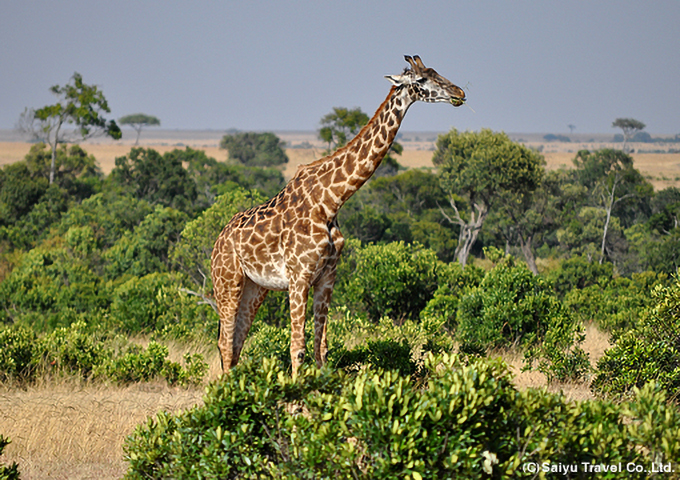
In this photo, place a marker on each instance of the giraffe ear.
(396, 79)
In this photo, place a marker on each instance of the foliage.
(154, 303)
(79, 351)
(464, 421)
(51, 286)
(158, 179)
(648, 352)
(8, 472)
(255, 149)
(629, 126)
(617, 303)
(479, 170)
(394, 280)
(138, 121)
(215, 178)
(339, 126)
(16, 355)
(145, 249)
(139, 365)
(80, 105)
(512, 307)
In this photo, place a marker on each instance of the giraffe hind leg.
(228, 291)
(252, 297)
(323, 290)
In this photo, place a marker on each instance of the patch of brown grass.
(595, 344)
(72, 431)
(661, 169)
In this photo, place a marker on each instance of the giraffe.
(293, 242)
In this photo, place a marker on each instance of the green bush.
(394, 280)
(462, 421)
(155, 303)
(649, 352)
(579, 272)
(71, 350)
(615, 305)
(7, 472)
(513, 307)
(16, 354)
(77, 351)
(380, 354)
(142, 365)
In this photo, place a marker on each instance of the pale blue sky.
(527, 66)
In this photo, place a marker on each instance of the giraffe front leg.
(297, 293)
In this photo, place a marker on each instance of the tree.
(79, 105)
(342, 124)
(479, 170)
(629, 127)
(339, 126)
(610, 176)
(255, 149)
(158, 179)
(139, 121)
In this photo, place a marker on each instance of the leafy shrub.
(255, 149)
(158, 179)
(7, 472)
(649, 352)
(512, 307)
(464, 421)
(579, 272)
(51, 281)
(154, 303)
(615, 306)
(444, 303)
(381, 354)
(70, 350)
(145, 249)
(16, 354)
(394, 280)
(142, 365)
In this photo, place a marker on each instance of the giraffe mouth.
(457, 101)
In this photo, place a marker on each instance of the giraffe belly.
(271, 278)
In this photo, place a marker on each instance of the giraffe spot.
(349, 164)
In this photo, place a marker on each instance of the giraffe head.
(427, 84)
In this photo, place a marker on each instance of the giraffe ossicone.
(293, 242)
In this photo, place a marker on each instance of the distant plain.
(662, 169)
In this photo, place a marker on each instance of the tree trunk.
(469, 232)
(608, 207)
(528, 253)
(53, 145)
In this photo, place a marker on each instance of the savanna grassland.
(105, 318)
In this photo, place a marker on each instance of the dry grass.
(661, 169)
(70, 431)
(595, 344)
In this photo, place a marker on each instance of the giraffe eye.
(421, 81)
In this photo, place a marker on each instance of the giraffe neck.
(346, 170)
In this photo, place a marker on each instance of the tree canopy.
(138, 121)
(339, 126)
(629, 127)
(80, 105)
(255, 149)
(479, 170)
